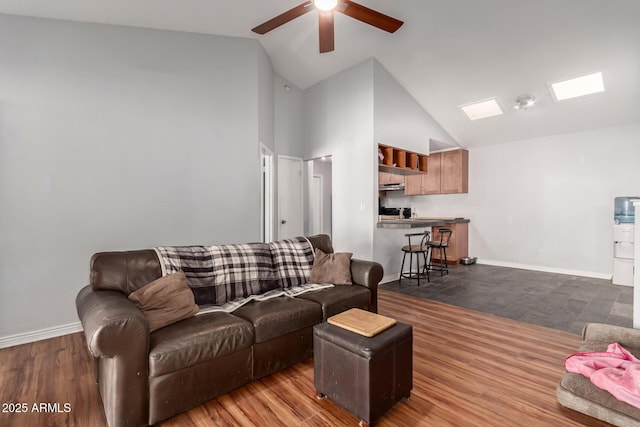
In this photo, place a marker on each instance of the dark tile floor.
(557, 301)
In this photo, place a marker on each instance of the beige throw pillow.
(165, 300)
(331, 268)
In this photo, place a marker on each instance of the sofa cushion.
(339, 298)
(196, 340)
(580, 394)
(124, 271)
(279, 316)
(586, 393)
(331, 268)
(165, 301)
(292, 261)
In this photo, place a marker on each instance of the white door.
(290, 210)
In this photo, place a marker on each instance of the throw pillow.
(165, 300)
(331, 268)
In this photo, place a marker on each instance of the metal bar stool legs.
(441, 245)
(419, 251)
(442, 265)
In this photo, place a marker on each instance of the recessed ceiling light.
(482, 109)
(580, 86)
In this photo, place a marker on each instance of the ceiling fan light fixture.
(326, 9)
(325, 4)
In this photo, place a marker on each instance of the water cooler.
(623, 232)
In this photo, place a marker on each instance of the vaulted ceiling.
(448, 52)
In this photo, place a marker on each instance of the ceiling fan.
(325, 10)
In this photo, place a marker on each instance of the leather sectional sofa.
(146, 377)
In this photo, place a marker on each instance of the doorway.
(319, 200)
(290, 193)
(316, 204)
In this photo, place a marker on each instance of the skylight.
(482, 109)
(580, 86)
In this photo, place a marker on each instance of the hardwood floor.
(470, 369)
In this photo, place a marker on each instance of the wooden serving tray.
(362, 322)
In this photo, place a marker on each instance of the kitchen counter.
(420, 222)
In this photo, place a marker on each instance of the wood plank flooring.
(470, 369)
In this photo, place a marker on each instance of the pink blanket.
(616, 371)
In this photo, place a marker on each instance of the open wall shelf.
(401, 162)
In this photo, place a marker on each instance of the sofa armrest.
(112, 323)
(118, 337)
(367, 274)
(627, 337)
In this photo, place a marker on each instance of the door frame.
(266, 193)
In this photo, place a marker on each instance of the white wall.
(289, 118)
(338, 117)
(401, 122)
(347, 116)
(545, 203)
(266, 98)
(115, 138)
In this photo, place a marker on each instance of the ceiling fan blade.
(369, 16)
(325, 25)
(283, 18)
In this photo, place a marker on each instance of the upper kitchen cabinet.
(448, 173)
(385, 178)
(454, 173)
(428, 183)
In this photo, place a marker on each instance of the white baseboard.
(581, 273)
(390, 278)
(394, 277)
(42, 334)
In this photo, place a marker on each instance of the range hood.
(392, 187)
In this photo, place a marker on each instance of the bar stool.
(420, 250)
(441, 245)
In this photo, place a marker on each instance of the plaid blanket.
(219, 274)
(226, 277)
(292, 261)
(230, 306)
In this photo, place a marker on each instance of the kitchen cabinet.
(389, 178)
(385, 178)
(448, 173)
(454, 173)
(458, 244)
(413, 185)
(428, 183)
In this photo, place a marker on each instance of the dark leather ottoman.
(366, 376)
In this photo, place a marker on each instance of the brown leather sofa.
(146, 377)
